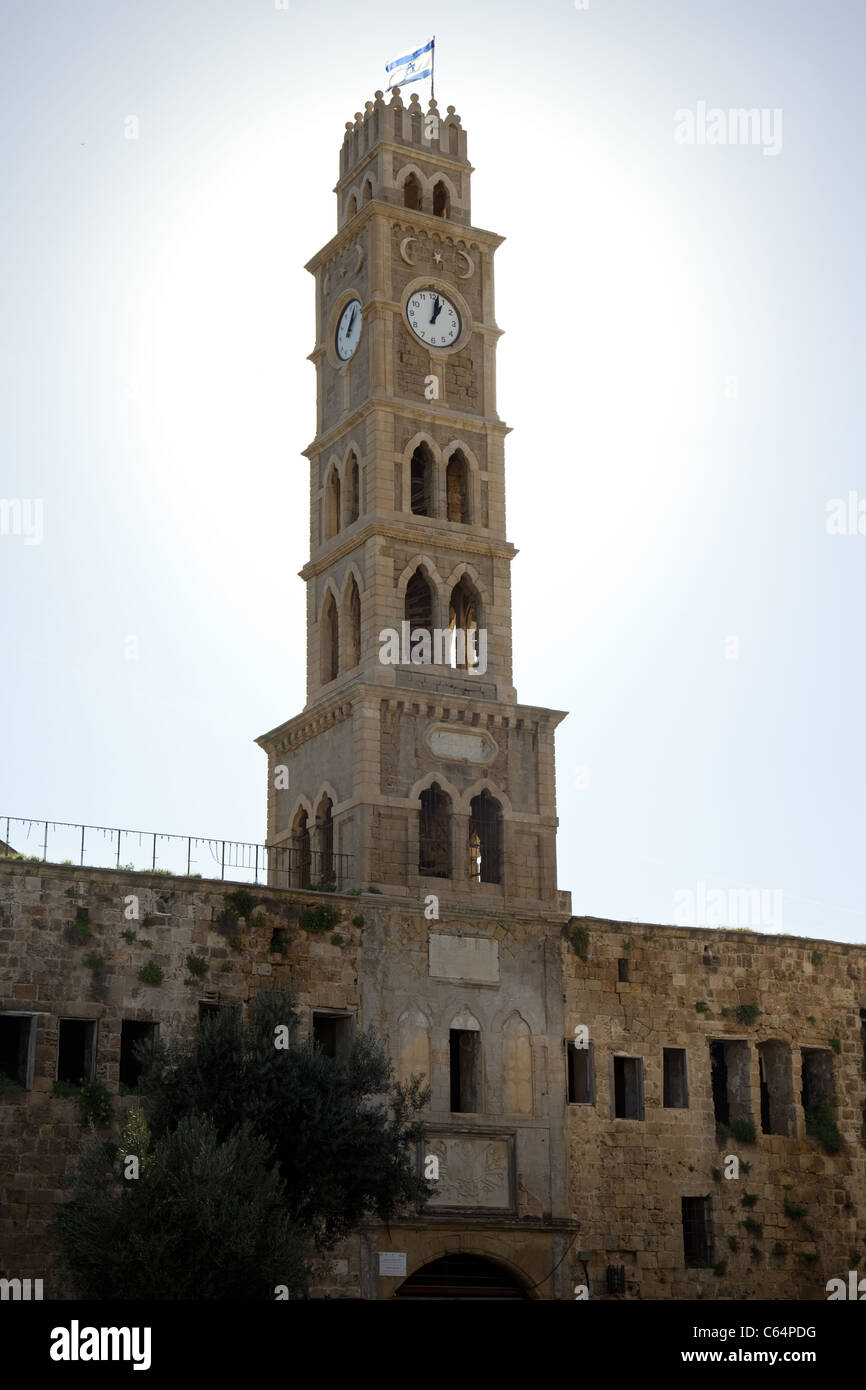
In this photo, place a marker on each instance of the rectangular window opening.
(132, 1033)
(676, 1091)
(465, 1057)
(628, 1088)
(817, 1087)
(622, 970)
(698, 1245)
(581, 1074)
(729, 1071)
(333, 1033)
(17, 1051)
(76, 1050)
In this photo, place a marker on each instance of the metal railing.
(152, 851)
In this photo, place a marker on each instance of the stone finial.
(350, 125)
(379, 96)
(359, 116)
(413, 100)
(368, 106)
(432, 104)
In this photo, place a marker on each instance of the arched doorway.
(461, 1276)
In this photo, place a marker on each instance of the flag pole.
(432, 68)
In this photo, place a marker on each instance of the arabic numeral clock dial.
(433, 318)
(348, 330)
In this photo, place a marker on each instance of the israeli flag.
(412, 67)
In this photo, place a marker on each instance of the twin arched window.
(413, 198)
(334, 497)
(484, 847)
(422, 485)
(329, 634)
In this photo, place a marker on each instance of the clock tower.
(412, 768)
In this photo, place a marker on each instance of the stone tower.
(412, 767)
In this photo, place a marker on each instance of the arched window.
(354, 498)
(485, 839)
(412, 193)
(368, 191)
(332, 504)
(325, 837)
(434, 833)
(457, 488)
(422, 481)
(300, 851)
(352, 627)
(329, 641)
(418, 607)
(463, 622)
(353, 206)
(441, 200)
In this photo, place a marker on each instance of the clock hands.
(351, 322)
(437, 309)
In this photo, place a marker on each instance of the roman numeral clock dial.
(433, 318)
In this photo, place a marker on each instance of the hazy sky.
(682, 368)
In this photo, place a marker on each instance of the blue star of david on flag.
(412, 67)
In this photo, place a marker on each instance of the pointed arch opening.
(421, 480)
(325, 840)
(329, 642)
(353, 625)
(457, 488)
(353, 206)
(354, 484)
(301, 855)
(434, 833)
(332, 504)
(463, 620)
(441, 200)
(418, 604)
(368, 191)
(412, 193)
(485, 839)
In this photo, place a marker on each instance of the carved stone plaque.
(474, 1170)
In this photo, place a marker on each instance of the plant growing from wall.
(67, 1090)
(196, 965)
(8, 1084)
(836, 1044)
(747, 1013)
(128, 936)
(577, 933)
(94, 961)
(337, 939)
(319, 919)
(95, 1101)
(793, 1211)
(780, 1249)
(753, 1227)
(150, 974)
(702, 1007)
(358, 921)
(744, 1130)
(821, 1125)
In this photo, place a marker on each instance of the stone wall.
(544, 1175)
(685, 989)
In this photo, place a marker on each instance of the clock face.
(349, 330)
(433, 318)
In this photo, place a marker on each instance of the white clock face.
(349, 330)
(433, 317)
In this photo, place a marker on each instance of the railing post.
(188, 854)
(82, 846)
(153, 865)
(118, 848)
(257, 864)
(45, 842)
(223, 861)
